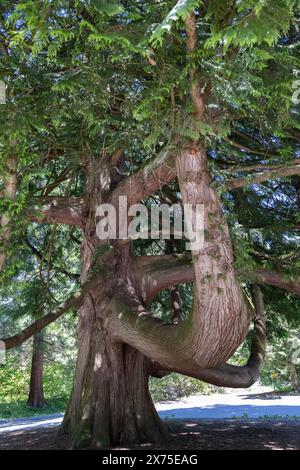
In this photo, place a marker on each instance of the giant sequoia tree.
(157, 101)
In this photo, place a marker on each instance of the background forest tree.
(125, 98)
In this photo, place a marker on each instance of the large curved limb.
(165, 345)
(219, 320)
(168, 355)
(228, 375)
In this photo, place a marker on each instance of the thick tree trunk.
(110, 402)
(36, 397)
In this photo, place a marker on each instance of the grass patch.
(58, 380)
(19, 408)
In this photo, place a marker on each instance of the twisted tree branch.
(58, 210)
(142, 332)
(155, 273)
(266, 175)
(161, 171)
(148, 180)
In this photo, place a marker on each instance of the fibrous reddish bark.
(148, 180)
(156, 273)
(262, 176)
(110, 401)
(119, 339)
(161, 171)
(220, 317)
(59, 210)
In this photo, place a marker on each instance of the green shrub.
(14, 384)
(58, 378)
(19, 408)
(176, 386)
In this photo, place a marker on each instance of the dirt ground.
(230, 434)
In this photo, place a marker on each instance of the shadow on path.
(221, 411)
(186, 435)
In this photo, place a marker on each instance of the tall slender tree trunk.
(36, 397)
(10, 190)
(294, 377)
